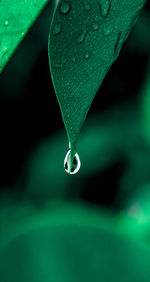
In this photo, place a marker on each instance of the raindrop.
(104, 6)
(87, 55)
(57, 28)
(95, 26)
(72, 166)
(65, 8)
(82, 36)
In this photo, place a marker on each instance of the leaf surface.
(16, 17)
(85, 39)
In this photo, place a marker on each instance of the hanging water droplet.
(82, 36)
(65, 8)
(57, 28)
(72, 167)
(95, 26)
(87, 55)
(107, 30)
(104, 6)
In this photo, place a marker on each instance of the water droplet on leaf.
(87, 55)
(82, 36)
(104, 6)
(95, 26)
(72, 166)
(57, 28)
(65, 8)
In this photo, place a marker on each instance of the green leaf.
(16, 18)
(85, 39)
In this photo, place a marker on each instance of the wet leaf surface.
(85, 39)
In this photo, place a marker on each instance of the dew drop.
(82, 36)
(72, 167)
(104, 6)
(65, 8)
(87, 55)
(95, 26)
(57, 28)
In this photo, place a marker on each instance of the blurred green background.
(114, 180)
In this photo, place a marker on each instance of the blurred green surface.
(71, 243)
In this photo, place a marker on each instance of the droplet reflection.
(74, 166)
